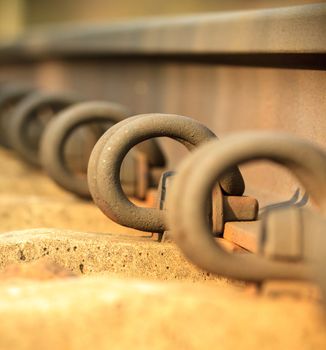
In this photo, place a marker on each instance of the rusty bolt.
(221, 208)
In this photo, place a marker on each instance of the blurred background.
(18, 15)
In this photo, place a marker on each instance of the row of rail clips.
(58, 131)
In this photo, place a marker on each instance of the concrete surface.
(30, 199)
(101, 313)
(91, 284)
(85, 253)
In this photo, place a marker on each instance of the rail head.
(286, 30)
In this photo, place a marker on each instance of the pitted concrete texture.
(85, 253)
(105, 313)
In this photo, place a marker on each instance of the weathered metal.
(30, 118)
(288, 29)
(221, 208)
(265, 71)
(187, 201)
(63, 126)
(104, 115)
(109, 152)
(177, 65)
(154, 158)
(225, 208)
(282, 234)
(268, 67)
(10, 95)
(296, 234)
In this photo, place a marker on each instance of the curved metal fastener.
(10, 95)
(60, 128)
(109, 152)
(188, 199)
(29, 119)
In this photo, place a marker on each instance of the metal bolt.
(221, 208)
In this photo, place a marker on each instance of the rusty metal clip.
(101, 115)
(108, 154)
(29, 119)
(193, 184)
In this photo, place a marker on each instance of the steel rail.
(295, 29)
